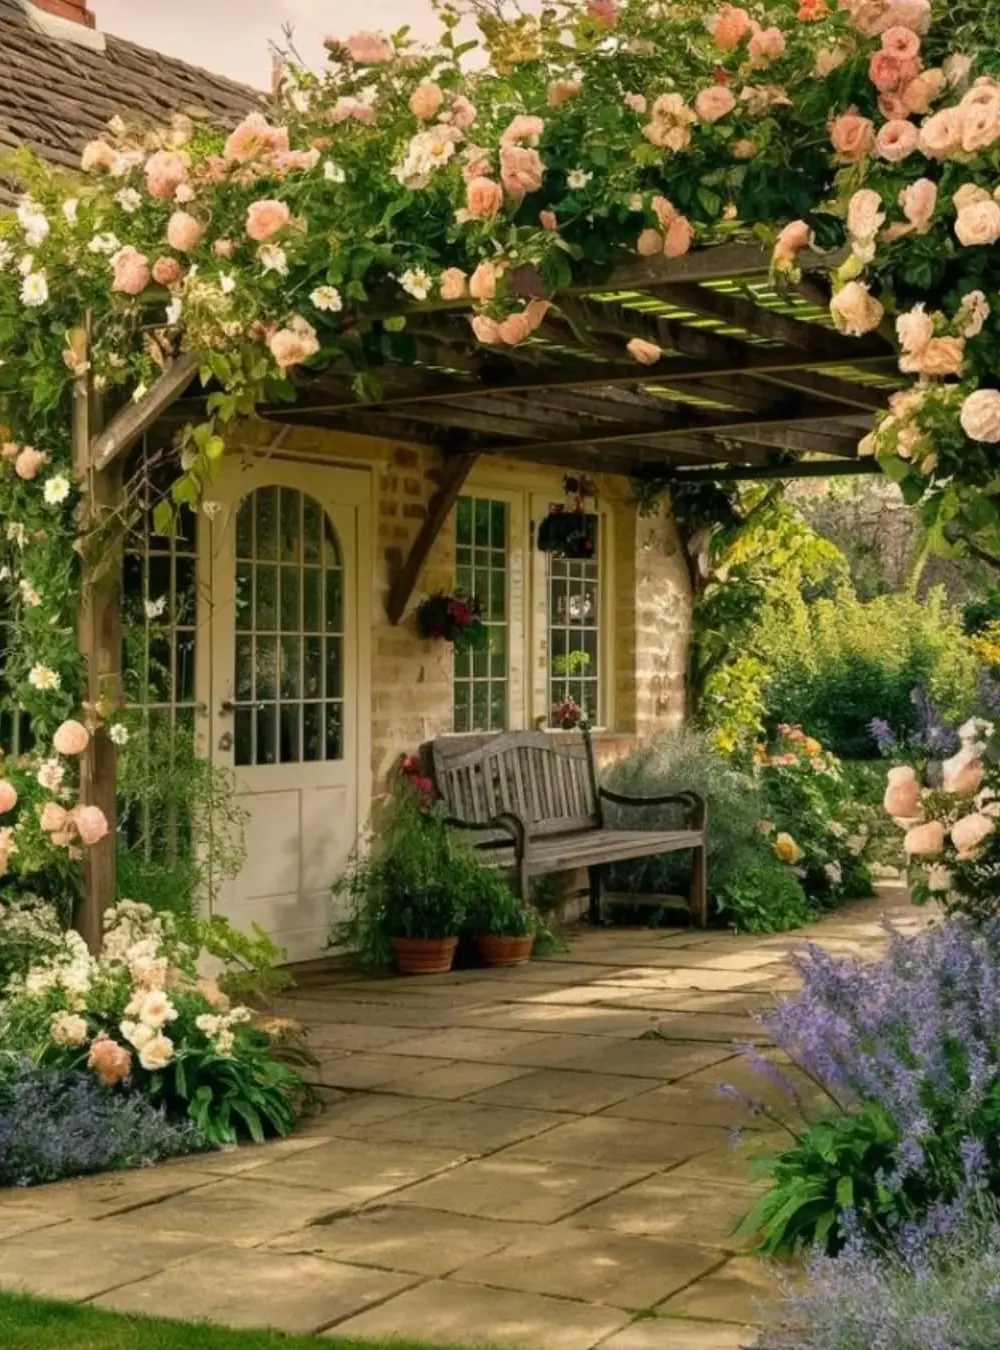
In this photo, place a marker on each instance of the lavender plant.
(937, 1288)
(63, 1123)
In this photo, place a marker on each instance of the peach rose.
(864, 214)
(463, 113)
(487, 330)
(426, 100)
(561, 91)
(484, 280)
(637, 102)
(91, 823)
(98, 155)
(223, 248)
(265, 219)
(971, 832)
(293, 345)
(852, 137)
(184, 233)
(980, 114)
(678, 238)
(646, 353)
(604, 13)
(110, 1062)
(744, 149)
(828, 59)
(9, 451)
(521, 171)
(918, 202)
(714, 102)
(941, 356)
(896, 140)
(516, 327)
(978, 224)
(649, 244)
(766, 45)
(922, 91)
(166, 271)
(369, 49)
(903, 801)
(924, 841)
(732, 27)
(483, 198)
(792, 240)
(165, 172)
(941, 134)
(902, 773)
(547, 220)
(964, 778)
(54, 818)
(855, 311)
(29, 462)
(71, 738)
(454, 284)
(903, 43)
(254, 137)
(8, 796)
(523, 128)
(132, 272)
(980, 416)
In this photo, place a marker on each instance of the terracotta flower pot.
(424, 956)
(505, 951)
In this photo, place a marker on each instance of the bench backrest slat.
(548, 783)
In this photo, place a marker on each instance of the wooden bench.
(535, 805)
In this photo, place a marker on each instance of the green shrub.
(764, 897)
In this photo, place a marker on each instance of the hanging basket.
(452, 618)
(569, 534)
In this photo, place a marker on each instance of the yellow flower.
(786, 849)
(812, 747)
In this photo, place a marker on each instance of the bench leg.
(699, 887)
(595, 876)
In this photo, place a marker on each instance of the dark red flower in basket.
(424, 788)
(411, 766)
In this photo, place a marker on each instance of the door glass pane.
(574, 632)
(480, 677)
(283, 664)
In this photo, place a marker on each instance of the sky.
(230, 37)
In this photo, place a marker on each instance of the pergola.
(752, 383)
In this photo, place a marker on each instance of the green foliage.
(838, 663)
(763, 897)
(254, 969)
(979, 614)
(835, 1165)
(493, 908)
(30, 932)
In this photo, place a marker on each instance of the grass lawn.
(33, 1324)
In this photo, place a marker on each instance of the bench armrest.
(508, 822)
(694, 804)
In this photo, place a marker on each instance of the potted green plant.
(503, 928)
(407, 897)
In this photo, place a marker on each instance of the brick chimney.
(74, 10)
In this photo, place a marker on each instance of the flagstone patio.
(535, 1158)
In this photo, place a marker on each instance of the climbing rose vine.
(402, 178)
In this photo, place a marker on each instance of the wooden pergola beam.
(135, 419)
(814, 468)
(456, 470)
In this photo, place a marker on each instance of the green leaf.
(163, 518)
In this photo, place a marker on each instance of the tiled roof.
(56, 95)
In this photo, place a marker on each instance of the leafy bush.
(493, 908)
(57, 1123)
(839, 663)
(935, 1289)
(30, 932)
(763, 897)
(908, 1049)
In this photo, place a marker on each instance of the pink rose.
(165, 172)
(110, 1062)
(855, 311)
(903, 43)
(561, 91)
(649, 244)
(71, 738)
(426, 100)
(978, 224)
(166, 271)
(637, 103)
(852, 136)
(679, 237)
(521, 171)
(54, 818)
(547, 220)
(896, 140)
(463, 113)
(8, 796)
(941, 135)
(714, 102)
(454, 284)
(293, 345)
(523, 128)
(732, 27)
(766, 45)
(91, 824)
(369, 49)
(483, 198)
(646, 353)
(483, 282)
(29, 462)
(918, 201)
(346, 109)
(888, 73)
(254, 137)
(265, 219)
(223, 248)
(924, 841)
(184, 233)
(980, 114)
(476, 163)
(791, 241)
(892, 107)
(603, 12)
(132, 272)
(487, 330)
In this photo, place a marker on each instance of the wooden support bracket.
(453, 475)
(137, 418)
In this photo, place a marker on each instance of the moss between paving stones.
(36, 1324)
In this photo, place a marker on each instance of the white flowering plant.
(140, 1019)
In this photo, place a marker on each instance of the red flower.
(411, 766)
(722, 76)
(811, 11)
(424, 787)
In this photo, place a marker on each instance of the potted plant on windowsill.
(503, 928)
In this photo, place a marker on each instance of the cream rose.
(941, 135)
(918, 202)
(864, 214)
(980, 416)
(157, 1053)
(978, 224)
(855, 311)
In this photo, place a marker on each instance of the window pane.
(480, 687)
(574, 632)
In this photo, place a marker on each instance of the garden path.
(534, 1158)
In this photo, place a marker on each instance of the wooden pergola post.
(99, 635)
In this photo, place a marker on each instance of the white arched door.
(287, 679)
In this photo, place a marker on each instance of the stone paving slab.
(358, 1170)
(599, 1141)
(668, 1206)
(663, 1061)
(563, 1090)
(661, 1333)
(737, 1292)
(241, 1211)
(472, 1128)
(282, 1291)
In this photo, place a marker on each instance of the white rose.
(156, 1053)
(980, 416)
(864, 216)
(67, 1029)
(855, 311)
(137, 1034)
(978, 224)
